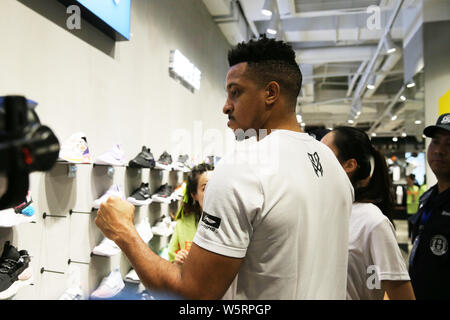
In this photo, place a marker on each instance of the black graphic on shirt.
(317, 166)
(210, 220)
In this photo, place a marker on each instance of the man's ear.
(272, 92)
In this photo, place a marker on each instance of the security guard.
(429, 264)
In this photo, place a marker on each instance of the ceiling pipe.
(387, 111)
(381, 44)
(356, 76)
(388, 65)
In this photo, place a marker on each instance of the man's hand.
(115, 218)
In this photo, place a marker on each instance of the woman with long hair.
(189, 213)
(375, 264)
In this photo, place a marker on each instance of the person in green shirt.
(412, 198)
(189, 213)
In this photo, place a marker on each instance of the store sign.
(184, 69)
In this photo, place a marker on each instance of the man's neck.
(443, 185)
(289, 123)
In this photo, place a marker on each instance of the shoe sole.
(14, 288)
(160, 166)
(109, 163)
(139, 202)
(161, 200)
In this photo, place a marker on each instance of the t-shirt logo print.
(317, 166)
(210, 220)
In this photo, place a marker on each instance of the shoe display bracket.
(50, 271)
(76, 262)
(110, 172)
(72, 171)
(45, 215)
(82, 212)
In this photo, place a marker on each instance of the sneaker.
(23, 213)
(113, 191)
(178, 194)
(13, 264)
(110, 286)
(141, 196)
(114, 157)
(163, 194)
(73, 283)
(181, 164)
(106, 248)
(164, 228)
(132, 277)
(164, 162)
(75, 149)
(143, 160)
(75, 293)
(145, 230)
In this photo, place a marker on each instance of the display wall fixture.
(113, 17)
(180, 68)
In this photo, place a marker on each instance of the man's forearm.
(153, 271)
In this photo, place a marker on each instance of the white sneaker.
(145, 230)
(106, 248)
(75, 293)
(132, 277)
(9, 218)
(113, 191)
(74, 290)
(75, 149)
(164, 228)
(114, 157)
(110, 285)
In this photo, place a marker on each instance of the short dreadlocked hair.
(270, 60)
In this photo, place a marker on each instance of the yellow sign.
(444, 103)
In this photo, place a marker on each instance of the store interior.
(159, 83)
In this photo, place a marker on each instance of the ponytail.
(353, 143)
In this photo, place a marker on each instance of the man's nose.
(227, 108)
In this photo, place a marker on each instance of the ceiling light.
(417, 122)
(410, 84)
(403, 98)
(389, 44)
(394, 117)
(395, 139)
(404, 134)
(303, 124)
(374, 134)
(274, 24)
(350, 121)
(371, 83)
(268, 7)
(299, 118)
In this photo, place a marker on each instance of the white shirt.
(273, 206)
(374, 254)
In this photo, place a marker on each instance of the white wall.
(114, 93)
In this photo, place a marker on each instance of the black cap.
(443, 122)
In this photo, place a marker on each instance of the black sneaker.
(12, 264)
(163, 194)
(140, 196)
(164, 162)
(143, 160)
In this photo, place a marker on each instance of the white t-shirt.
(283, 204)
(374, 254)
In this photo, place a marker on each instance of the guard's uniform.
(429, 264)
